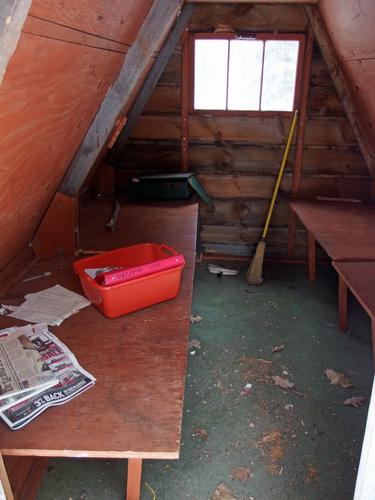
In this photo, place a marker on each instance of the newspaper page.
(22, 367)
(73, 379)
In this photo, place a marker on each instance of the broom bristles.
(254, 273)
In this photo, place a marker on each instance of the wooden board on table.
(139, 360)
(345, 230)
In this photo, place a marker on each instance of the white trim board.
(365, 485)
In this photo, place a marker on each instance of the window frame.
(253, 36)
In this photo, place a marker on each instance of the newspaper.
(52, 305)
(73, 379)
(23, 370)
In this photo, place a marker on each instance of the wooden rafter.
(338, 77)
(152, 79)
(12, 17)
(151, 36)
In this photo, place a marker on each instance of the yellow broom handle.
(280, 176)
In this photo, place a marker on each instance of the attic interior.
(103, 147)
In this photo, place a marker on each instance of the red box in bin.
(137, 293)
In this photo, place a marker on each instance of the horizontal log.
(172, 72)
(231, 158)
(250, 213)
(247, 250)
(250, 235)
(164, 99)
(252, 186)
(218, 129)
(319, 75)
(250, 17)
(324, 101)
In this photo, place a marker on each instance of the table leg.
(311, 255)
(5, 480)
(133, 487)
(343, 304)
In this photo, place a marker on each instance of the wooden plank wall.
(237, 158)
(351, 30)
(67, 57)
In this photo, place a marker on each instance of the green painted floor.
(240, 428)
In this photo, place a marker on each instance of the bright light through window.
(210, 83)
(245, 75)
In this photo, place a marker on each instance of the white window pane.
(210, 82)
(279, 75)
(245, 72)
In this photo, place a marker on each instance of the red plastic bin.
(124, 298)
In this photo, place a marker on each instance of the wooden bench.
(135, 409)
(359, 277)
(344, 230)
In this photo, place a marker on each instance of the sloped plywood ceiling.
(350, 25)
(68, 55)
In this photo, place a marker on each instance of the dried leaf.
(356, 401)
(222, 492)
(282, 382)
(337, 378)
(278, 348)
(241, 473)
(202, 433)
(194, 344)
(246, 390)
(195, 318)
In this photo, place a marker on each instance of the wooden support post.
(337, 75)
(57, 233)
(5, 480)
(12, 18)
(151, 36)
(311, 255)
(133, 487)
(343, 304)
(185, 103)
(300, 141)
(152, 80)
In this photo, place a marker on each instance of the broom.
(254, 273)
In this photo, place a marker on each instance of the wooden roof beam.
(339, 79)
(12, 17)
(152, 80)
(150, 38)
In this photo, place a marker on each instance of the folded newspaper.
(23, 370)
(70, 378)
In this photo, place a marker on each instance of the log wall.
(237, 158)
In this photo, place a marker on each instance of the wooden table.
(134, 411)
(359, 277)
(346, 231)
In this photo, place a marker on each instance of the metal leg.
(133, 487)
(311, 254)
(343, 304)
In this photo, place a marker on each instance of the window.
(256, 74)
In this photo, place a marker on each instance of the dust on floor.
(262, 419)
